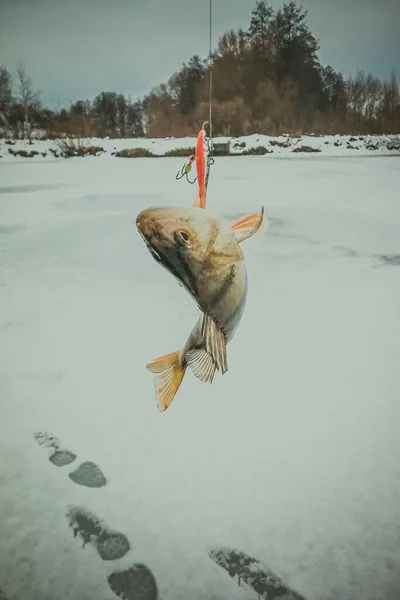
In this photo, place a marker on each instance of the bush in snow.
(280, 144)
(26, 153)
(305, 149)
(237, 145)
(393, 142)
(258, 151)
(180, 152)
(134, 153)
(77, 147)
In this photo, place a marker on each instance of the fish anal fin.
(201, 364)
(247, 226)
(169, 375)
(214, 343)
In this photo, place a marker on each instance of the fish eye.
(183, 235)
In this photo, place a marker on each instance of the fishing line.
(210, 143)
(187, 167)
(210, 70)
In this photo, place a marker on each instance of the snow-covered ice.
(293, 456)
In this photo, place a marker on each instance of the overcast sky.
(73, 49)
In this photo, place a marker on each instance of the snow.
(293, 456)
(277, 146)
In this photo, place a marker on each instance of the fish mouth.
(170, 266)
(161, 258)
(155, 254)
(153, 251)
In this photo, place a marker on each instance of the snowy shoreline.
(284, 145)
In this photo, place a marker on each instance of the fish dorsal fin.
(202, 364)
(247, 226)
(214, 342)
(169, 377)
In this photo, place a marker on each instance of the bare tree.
(5, 96)
(28, 99)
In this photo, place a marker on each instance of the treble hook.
(185, 170)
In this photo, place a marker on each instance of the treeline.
(265, 79)
(21, 112)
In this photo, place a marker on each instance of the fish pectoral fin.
(247, 226)
(214, 342)
(169, 376)
(202, 364)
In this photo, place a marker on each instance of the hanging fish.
(202, 251)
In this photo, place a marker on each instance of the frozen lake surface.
(292, 457)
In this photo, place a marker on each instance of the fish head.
(179, 239)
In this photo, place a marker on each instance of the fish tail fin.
(169, 376)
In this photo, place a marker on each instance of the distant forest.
(265, 79)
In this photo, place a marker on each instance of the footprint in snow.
(87, 474)
(110, 544)
(254, 573)
(135, 583)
